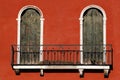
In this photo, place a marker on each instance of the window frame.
(81, 29)
(18, 29)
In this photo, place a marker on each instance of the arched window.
(30, 35)
(92, 35)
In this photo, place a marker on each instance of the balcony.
(81, 57)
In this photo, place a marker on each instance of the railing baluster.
(77, 57)
(47, 56)
(54, 54)
(72, 57)
(57, 56)
(67, 55)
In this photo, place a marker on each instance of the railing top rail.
(66, 45)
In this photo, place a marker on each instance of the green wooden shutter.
(30, 36)
(92, 36)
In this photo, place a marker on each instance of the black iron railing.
(61, 54)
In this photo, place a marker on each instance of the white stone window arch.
(81, 27)
(18, 28)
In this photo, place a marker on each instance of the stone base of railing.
(80, 68)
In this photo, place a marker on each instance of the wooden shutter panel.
(30, 36)
(93, 36)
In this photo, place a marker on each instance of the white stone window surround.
(18, 29)
(81, 28)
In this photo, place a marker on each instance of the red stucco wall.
(61, 26)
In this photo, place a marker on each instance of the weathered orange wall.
(61, 26)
